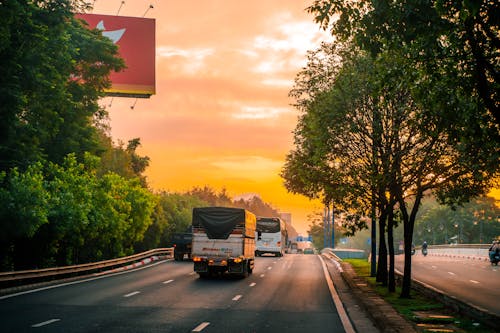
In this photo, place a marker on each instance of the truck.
(181, 243)
(223, 241)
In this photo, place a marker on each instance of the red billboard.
(135, 37)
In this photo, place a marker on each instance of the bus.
(271, 236)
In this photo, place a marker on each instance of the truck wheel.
(204, 275)
(246, 270)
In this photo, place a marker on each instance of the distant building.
(287, 217)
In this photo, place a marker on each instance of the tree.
(210, 196)
(461, 34)
(457, 162)
(123, 161)
(53, 70)
(177, 211)
(23, 211)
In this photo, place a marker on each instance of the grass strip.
(415, 308)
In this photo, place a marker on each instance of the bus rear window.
(268, 226)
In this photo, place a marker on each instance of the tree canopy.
(53, 70)
(383, 115)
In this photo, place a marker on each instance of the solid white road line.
(80, 281)
(132, 294)
(168, 281)
(237, 297)
(200, 327)
(45, 323)
(336, 299)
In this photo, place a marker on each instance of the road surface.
(473, 281)
(287, 294)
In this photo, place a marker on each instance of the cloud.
(189, 61)
(249, 166)
(257, 112)
(221, 115)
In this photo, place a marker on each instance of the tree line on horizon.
(476, 222)
(403, 105)
(69, 194)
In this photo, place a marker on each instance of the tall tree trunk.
(382, 250)
(408, 235)
(390, 241)
(409, 224)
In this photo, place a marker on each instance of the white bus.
(271, 236)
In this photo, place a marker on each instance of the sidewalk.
(369, 313)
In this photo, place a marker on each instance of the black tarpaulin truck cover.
(219, 222)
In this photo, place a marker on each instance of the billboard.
(135, 37)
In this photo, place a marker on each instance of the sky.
(221, 116)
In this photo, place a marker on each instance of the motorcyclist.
(494, 250)
(424, 248)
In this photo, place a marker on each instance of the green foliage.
(24, 203)
(385, 121)
(66, 214)
(210, 196)
(473, 223)
(178, 210)
(53, 70)
(124, 161)
(316, 231)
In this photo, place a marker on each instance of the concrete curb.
(383, 315)
(463, 256)
(131, 266)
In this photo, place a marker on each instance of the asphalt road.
(288, 294)
(473, 281)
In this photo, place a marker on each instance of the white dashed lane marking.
(237, 297)
(48, 322)
(168, 281)
(132, 294)
(200, 327)
(252, 284)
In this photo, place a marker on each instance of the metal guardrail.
(38, 275)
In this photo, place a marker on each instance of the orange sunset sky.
(221, 115)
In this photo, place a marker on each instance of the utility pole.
(333, 228)
(373, 266)
(326, 227)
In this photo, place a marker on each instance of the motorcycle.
(424, 252)
(495, 258)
